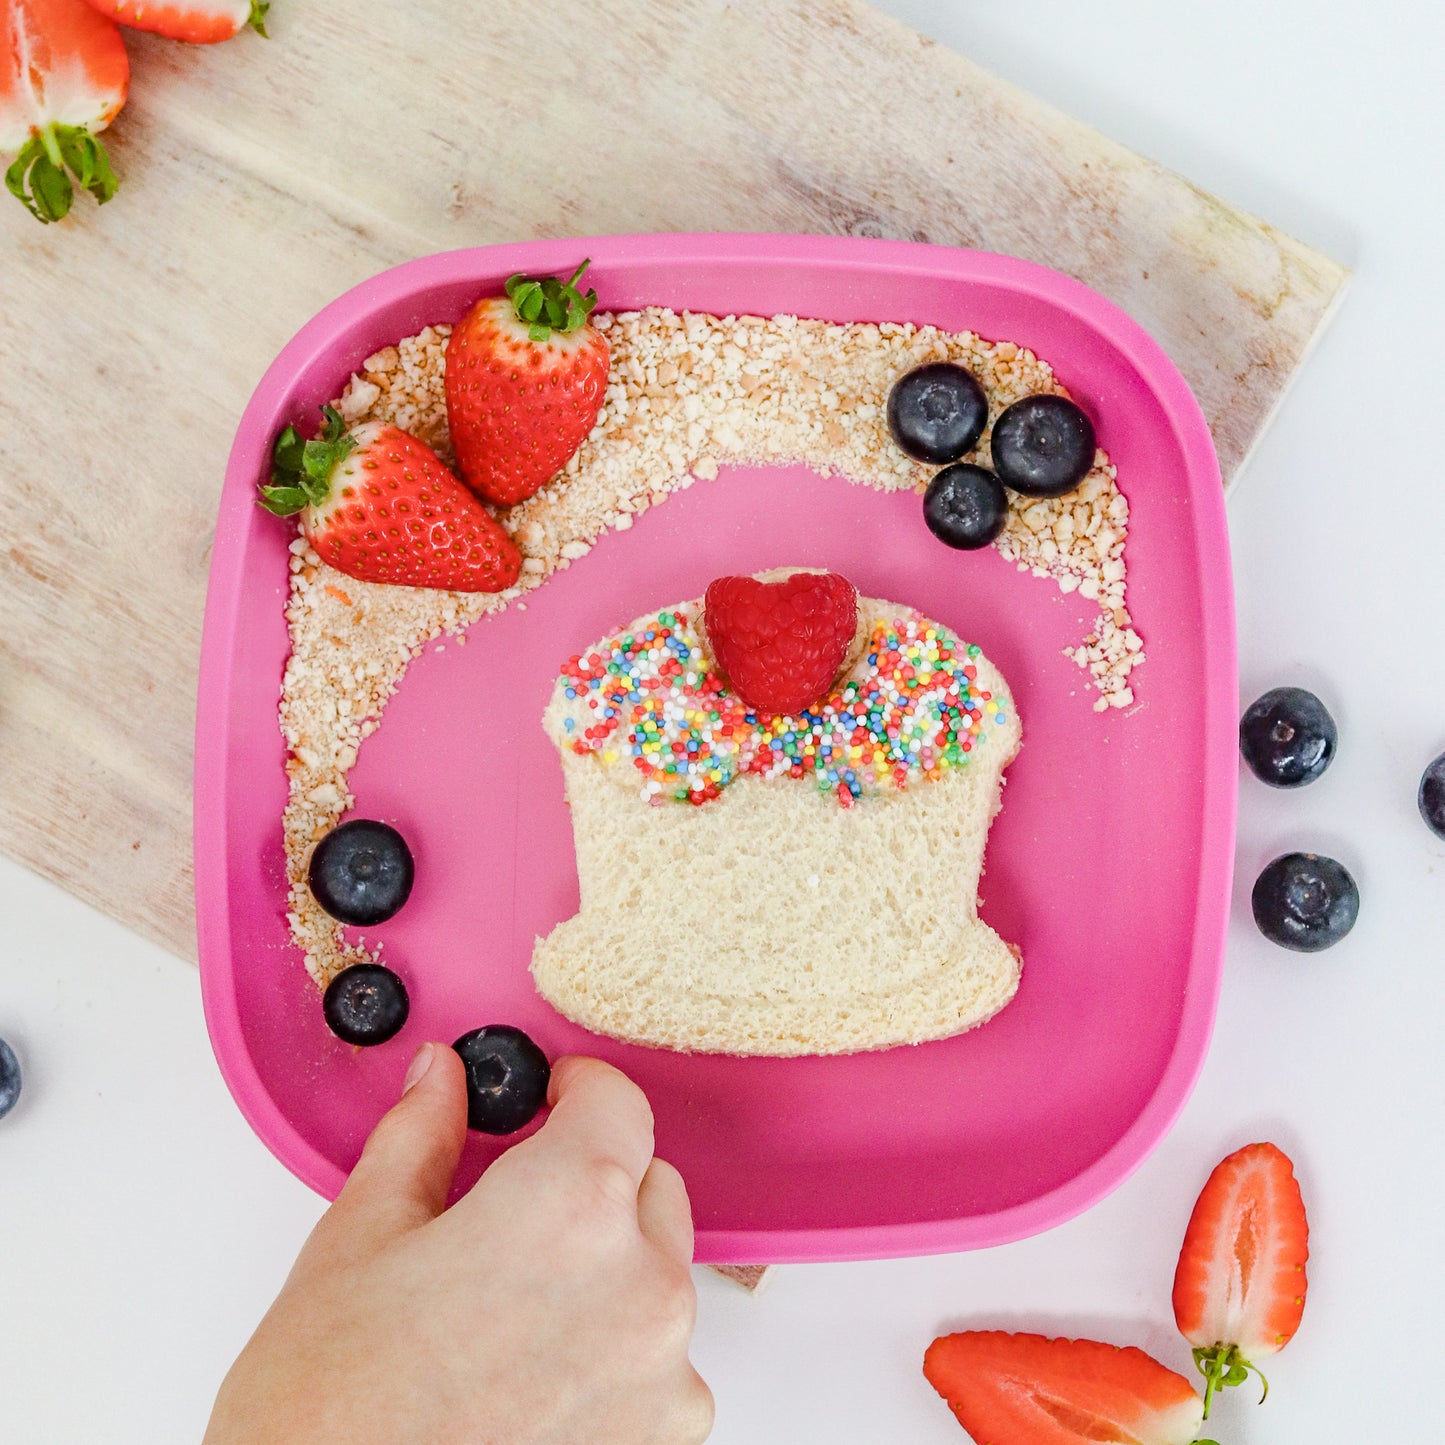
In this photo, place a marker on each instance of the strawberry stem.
(549, 305)
(301, 470)
(39, 177)
(1222, 1367)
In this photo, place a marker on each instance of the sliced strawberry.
(381, 506)
(1028, 1390)
(1239, 1290)
(201, 22)
(63, 79)
(526, 374)
(781, 644)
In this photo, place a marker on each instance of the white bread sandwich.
(762, 874)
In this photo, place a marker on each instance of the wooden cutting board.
(261, 179)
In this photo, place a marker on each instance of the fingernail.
(421, 1062)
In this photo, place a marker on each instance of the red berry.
(781, 644)
(526, 374)
(381, 506)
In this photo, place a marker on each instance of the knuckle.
(611, 1187)
(623, 1097)
(597, 1202)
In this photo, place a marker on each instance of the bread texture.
(770, 920)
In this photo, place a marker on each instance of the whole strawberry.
(381, 506)
(525, 374)
(781, 643)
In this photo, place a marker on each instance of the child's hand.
(552, 1304)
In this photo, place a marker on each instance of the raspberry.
(781, 644)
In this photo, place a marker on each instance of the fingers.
(404, 1173)
(599, 1117)
(663, 1212)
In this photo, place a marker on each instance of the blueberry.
(361, 872)
(365, 1004)
(965, 506)
(937, 412)
(1287, 737)
(9, 1079)
(1043, 446)
(507, 1078)
(1432, 797)
(1305, 902)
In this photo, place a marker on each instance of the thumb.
(405, 1171)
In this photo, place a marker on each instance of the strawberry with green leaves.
(526, 374)
(200, 22)
(381, 506)
(63, 79)
(1239, 1289)
(1008, 1389)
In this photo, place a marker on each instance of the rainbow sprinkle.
(910, 709)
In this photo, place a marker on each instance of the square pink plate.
(1109, 866)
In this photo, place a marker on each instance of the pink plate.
(1110, 864)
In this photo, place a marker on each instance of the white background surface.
(143, 1229)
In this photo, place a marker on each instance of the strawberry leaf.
(257, 18)
(86, 158)
(1222, 1367)
(38, 175)
(301, 470)
(549, 305)
(39, 184)
(529, 300)
(283, 501)
(288, 450)
(51, 188)
(315, 461)
(15, 178)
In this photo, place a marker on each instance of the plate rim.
(223, 613)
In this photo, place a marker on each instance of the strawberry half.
(1028, 1390)
(781, 644)
(1239, 1289)
(63, 78)
(381, 506)
(201, 22)
(525, 376)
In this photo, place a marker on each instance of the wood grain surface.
(262, 178)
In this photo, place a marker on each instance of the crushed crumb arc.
(686, 392)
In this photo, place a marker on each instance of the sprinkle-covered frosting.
(910, 709)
